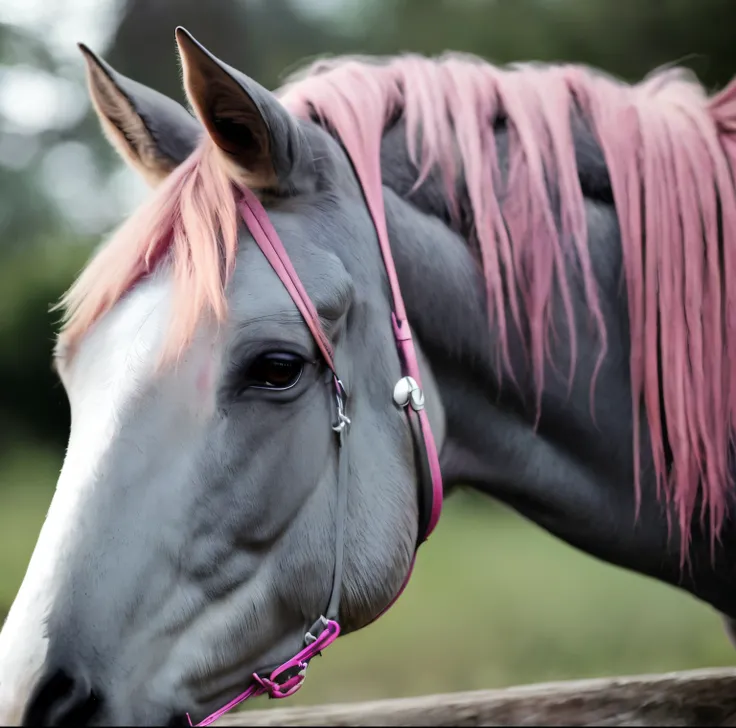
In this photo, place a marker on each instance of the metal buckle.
(290, 685)
(342, 419)
(319, 627)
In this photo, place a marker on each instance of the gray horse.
(565, 248)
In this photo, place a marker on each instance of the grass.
(27, 479)
(494, 601)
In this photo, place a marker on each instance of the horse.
(564, 244)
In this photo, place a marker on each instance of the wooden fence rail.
(696, 698)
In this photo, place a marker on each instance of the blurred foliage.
(572, 608)
(628, 38)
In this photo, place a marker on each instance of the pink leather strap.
(369, 176)
(269, 242)
(405, 344)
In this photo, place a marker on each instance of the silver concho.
(407, 392)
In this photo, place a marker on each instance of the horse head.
(191, 539)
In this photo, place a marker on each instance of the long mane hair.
(670, 150)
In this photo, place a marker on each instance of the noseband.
(287, 678)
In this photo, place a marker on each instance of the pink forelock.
(189, 224)
(671, 156)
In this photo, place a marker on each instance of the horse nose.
(63, 697)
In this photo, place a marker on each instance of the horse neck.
(572, 471)
(445, 294)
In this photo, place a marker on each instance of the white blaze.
(112, 363)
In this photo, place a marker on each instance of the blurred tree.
(24, 213)
(628, 38)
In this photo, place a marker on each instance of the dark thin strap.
(333, 607)
(424, 481)
(268, 241)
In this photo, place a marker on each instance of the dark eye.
(277, 370)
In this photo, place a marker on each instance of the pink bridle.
(286, 679)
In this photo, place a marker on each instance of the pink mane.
(670, 152)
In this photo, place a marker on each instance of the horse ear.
(246, 121)
(151, 131)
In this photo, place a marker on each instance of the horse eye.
(275, 371)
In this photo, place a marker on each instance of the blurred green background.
(494, 600)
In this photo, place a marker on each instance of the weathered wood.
(696, 698)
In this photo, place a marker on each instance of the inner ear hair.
(125, 129)
(235, 125)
